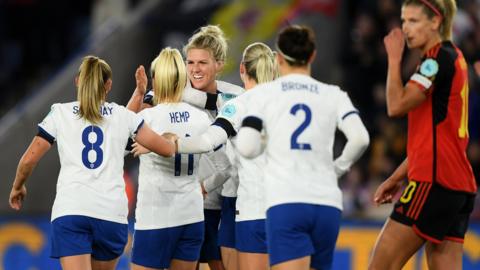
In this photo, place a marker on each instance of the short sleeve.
(133, 121)
(437, 67)
(48, 128)
(233, 111)
(425, 74)
(345, 107)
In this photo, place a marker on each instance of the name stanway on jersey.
(169, 193)
(300, 116)
(90, 182)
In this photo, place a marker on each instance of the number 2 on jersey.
(92, 146)
(178, 163)
(294, 144)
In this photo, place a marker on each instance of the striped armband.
(253, 122)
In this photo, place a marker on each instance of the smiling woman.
(206, 52)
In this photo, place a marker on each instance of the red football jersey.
(438, 128)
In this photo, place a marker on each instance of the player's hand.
(476, 67)
(386, 191)
(394, 44)
(17, 196)
(142, 80)
(138, 149)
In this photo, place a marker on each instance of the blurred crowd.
(38, 37)
(35, 41)
(364, 66)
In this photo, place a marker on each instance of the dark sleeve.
(44, 134)
(253, 122)
(148, 98)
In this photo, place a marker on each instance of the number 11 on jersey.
(178, 163)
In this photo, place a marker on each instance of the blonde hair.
(260, 63)
(152, 68)
(446, 8)
(92, 76)
(210, 38)
(170, 76)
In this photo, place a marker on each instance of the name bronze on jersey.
(298, 86)
(179, 117)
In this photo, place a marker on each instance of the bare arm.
(154, 142)
(387, 190)
(400, 99)
(27, 163)
(135, 104)
(401, 172)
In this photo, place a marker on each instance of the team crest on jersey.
(229, 110)
(429, 68)
(227, 97)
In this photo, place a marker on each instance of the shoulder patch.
(429, 67)
(227, 97)
(229, 110)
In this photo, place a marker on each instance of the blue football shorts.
(77, 235)
(296, 230)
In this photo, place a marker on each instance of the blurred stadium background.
(42, 42)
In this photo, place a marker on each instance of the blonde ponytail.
(450, 9)
(260, 64)
(93, 74)
(170, 76)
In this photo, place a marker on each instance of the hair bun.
(296, 43)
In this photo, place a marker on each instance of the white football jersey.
(300, 116)
(90, 182)
(228, 92)
(212, 200)
(251, 203)
(169, 194)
